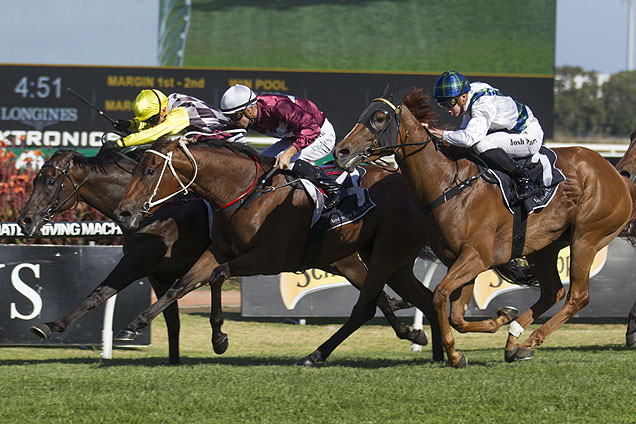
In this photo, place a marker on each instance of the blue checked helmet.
(450, 84)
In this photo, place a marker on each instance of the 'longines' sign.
(42, 283)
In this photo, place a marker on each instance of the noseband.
(168, 164)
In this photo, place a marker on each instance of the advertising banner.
(43, 283)
(316, 293)
(37, 111)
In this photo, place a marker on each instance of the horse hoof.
(509, 312)
(41, 330)
(420, 338)
(462, 363)
(126, 336)
(524, 353)
(308, 362)
(510, 355)
(220, 346)
(630, 339)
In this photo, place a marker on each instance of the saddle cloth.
(542, 172)
(353, 207)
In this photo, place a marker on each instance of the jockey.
(497, 127)
(157, 115)
(306, 135)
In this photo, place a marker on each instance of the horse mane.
(234, 147)
(99, 162)
(420, 106)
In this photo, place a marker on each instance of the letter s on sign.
(26, 291)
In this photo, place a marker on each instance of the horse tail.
(629, 232)
(419, 105)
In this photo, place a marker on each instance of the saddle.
(541, 170)
(354, 206)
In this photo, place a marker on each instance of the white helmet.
(237, 98)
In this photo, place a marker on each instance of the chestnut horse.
(266, 232)
(472, 231)
(626, 166)
(165, 247)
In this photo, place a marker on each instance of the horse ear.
(400, 96)
(385, 92)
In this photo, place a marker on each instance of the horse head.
(153, 182)
(53, 190)
(627, 165)
(377, 131)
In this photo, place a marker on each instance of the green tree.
(619, 102)
(578, 107)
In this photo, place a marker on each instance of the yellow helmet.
(148, 104)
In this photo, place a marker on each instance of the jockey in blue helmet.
(496, 126)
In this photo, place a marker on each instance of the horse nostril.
(123, 216)
(342, 152)
(625, 174)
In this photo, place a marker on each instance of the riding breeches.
(321, 147)
(525, 143)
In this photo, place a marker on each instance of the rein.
(149, 204)
(459, 185)
(65, 175)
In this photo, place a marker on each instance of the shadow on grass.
(238, 361)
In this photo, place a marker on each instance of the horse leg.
(459, 300)
(363, 311)
(355, 271)
(139, 261)
(196, 277)
(220, 339)
(171, 316)
(409, 287)
(582, 254)
(464, 269)
(544, 266)
(630, 336)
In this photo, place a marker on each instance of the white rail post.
(107, 330)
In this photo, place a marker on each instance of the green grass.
(430, 36)
(582, 374)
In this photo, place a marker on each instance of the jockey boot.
(333, 191)
(499, 159)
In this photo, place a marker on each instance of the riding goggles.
(447, 102)
(153, 120)
(236, 116)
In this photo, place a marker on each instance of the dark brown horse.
(268, 234)
(627, 168)
(165, 247)
(472, 231)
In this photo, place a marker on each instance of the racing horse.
(266, 229)
(626, 166)
(472, 231)
(165, 247)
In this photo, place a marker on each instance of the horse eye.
(379, 119)
(150, 171)
(50, 181)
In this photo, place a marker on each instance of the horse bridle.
(386, 139)
(149, 204)
(52, 210)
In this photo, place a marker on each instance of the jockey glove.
(121, 125)
(110, 146)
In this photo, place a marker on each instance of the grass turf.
(583, 373)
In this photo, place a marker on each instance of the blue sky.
(592, 34)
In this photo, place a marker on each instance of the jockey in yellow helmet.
(158, 115)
